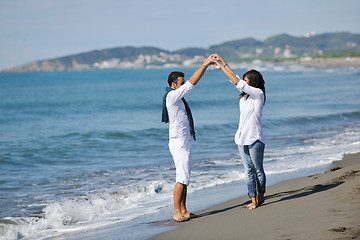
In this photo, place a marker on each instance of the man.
(181, 128)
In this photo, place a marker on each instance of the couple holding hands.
(249, 137)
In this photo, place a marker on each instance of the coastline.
(51, 66)
(320, 206)
(329, 62)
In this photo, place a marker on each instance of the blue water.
(80, 150)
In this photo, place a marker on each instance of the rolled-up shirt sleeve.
(179, 93)
(242, 86)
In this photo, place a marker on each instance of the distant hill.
(275, 48)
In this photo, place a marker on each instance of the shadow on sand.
(280, 197)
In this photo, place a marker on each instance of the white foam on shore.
(86, 211)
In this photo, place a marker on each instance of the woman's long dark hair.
(255, 80)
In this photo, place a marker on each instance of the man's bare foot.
(185, 213)
(192, 215)
(181, 219)
(189, 215)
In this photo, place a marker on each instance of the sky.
(32, 30)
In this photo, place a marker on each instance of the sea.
(84, 154)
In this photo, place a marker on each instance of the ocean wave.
(118, 135)
(304, 120)
(126, 135)
(70, 212)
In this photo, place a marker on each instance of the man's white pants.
(180, 149)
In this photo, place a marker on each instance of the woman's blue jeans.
(252, 157)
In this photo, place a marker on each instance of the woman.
(249, 137)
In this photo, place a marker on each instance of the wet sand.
(321, 206)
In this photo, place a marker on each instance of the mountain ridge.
(275, 48)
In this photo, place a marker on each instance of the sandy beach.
(321, 206)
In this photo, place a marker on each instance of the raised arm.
(200, 72)
(228, 72)
(226, 66)
(241, 85)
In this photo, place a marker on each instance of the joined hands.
(214, 60)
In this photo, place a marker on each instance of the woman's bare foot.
(260, 199)
(253, 204)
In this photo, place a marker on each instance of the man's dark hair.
(173, 76)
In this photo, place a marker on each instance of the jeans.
(252, 157)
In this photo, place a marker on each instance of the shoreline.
(316, 62)
(319, 206)
(325, 63)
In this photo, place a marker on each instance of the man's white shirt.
(179, 126)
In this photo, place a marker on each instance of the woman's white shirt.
(251, 106)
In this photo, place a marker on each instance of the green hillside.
(275, 48)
